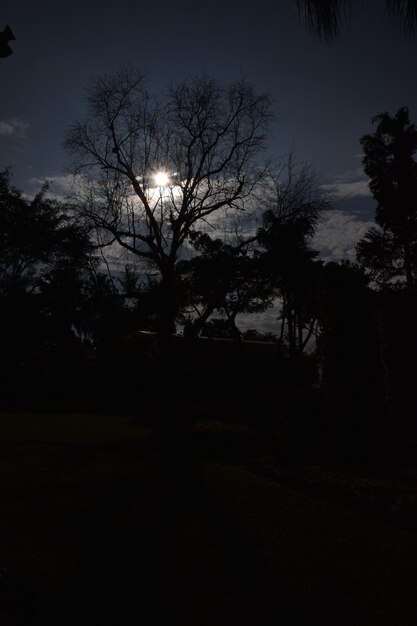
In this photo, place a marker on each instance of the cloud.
(349, 184)
(338, 235)
(62, 182)
(13, 127)
(60, 186)
(347, 189)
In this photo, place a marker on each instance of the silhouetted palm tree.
(325, 17)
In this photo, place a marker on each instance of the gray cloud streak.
(13, 127)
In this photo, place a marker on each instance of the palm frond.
(324, 17)
(406, 12)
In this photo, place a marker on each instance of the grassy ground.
(105, 521)
(351, 569)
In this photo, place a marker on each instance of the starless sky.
(323, 95)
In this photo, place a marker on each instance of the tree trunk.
(291, 330)
(310, 332)
(408, 266)
(300, 335)
(283, 320)
(235, 332)
(168, 311)
(199, 323)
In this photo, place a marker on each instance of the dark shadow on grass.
(239, 585)
(151, 547)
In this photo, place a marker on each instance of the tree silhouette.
(35, 236)
(390, 252)
(203, 136)
(6, 35)
(45, 257)
(325, 17)
(349, 348)
(227, 278)
(295, 207)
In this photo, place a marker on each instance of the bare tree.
(156, 168)
(290, 191)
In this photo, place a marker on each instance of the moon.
(161, 179)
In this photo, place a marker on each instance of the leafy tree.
(291, 261)
(295, 207)
(45, 257)
(154, 169)
(35, 236)
(390, 251)
(227, 278)
(325, 17)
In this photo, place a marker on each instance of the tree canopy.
(36, 237)
(390, 251)
(294, 206)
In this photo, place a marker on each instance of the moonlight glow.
(161, 179)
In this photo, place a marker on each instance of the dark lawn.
(105, 521)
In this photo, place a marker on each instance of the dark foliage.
(326, 17)
(290, 263)
(225, 278)
(349, 349)
(390, 252)
(55, 308)
(5, 36)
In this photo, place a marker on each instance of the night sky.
(324, 94)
